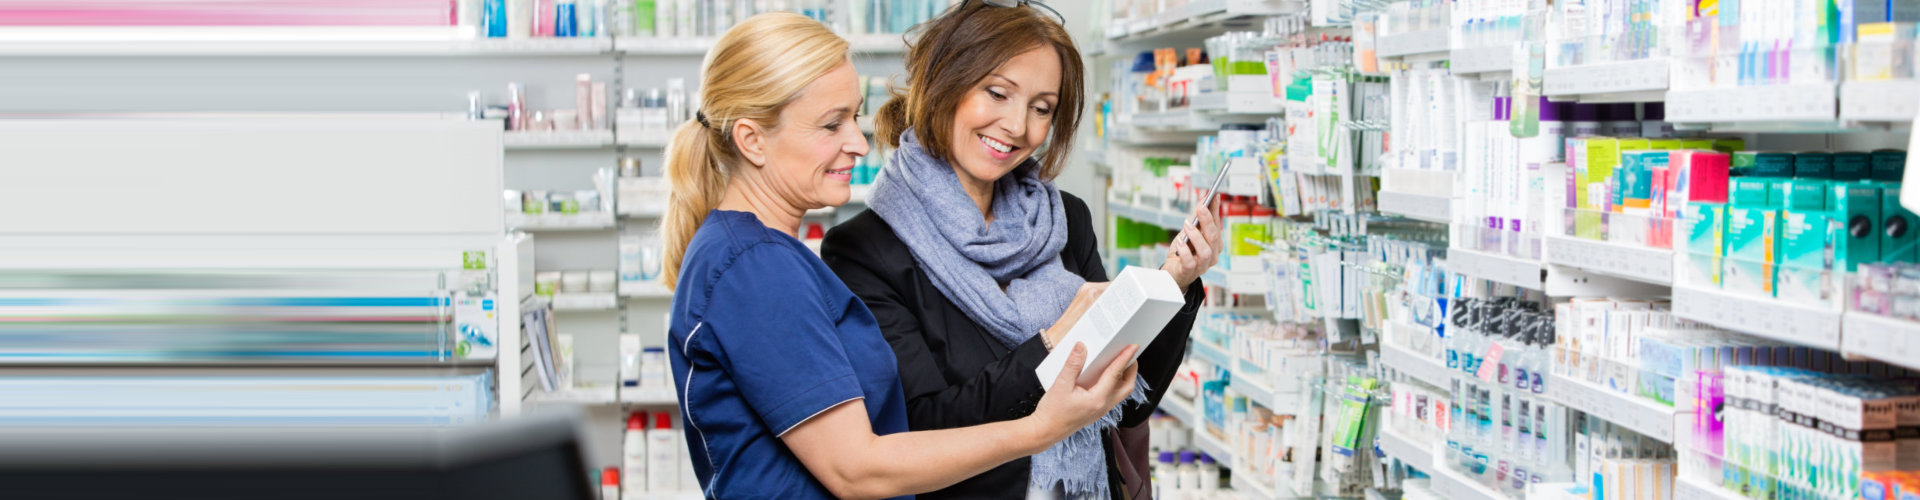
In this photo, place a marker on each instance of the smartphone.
(1213, 193)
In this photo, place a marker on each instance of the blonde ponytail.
(758, 67)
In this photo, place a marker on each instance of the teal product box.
(1896, 230)
(1852, 166)
(1752, 191)
(1704, 225)
(1811, 238)
(1857, 205)
(1813, 165)
(1750, 233)
(1748, 277)
(1700, 269)
(1889, 165)
(1633, 179)
(1805, 194)
(1776, 165)
(1808, 285)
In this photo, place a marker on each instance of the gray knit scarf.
(968, 259)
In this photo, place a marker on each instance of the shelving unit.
(1436, 209)
(568, 139)
(1414, 453)
(1639, 414)
(1766, 317)
(595, 395)
(1597, 81)
(1650, 265)
(1197, 19)
(1500, 268)
(661, 397)
(1775, 103)
(1422, 368)
(1453, 485)
(1431, 41)
(1685, 488)
(584, 301)
(585, 221)
(1890, 340)
(1170, 220)
(1481, 60)
(1879, 101)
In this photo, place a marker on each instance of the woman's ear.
(751, 139)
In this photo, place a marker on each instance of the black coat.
(954, 373)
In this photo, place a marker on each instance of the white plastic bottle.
(1209, 475)
(1189, 476)
(663, 468)
(610, 484)
(634, 454)
(1164, 479)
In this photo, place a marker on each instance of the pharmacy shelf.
(1189, 119)
(1211, 444)
(1408, 450)
(651, 397)
(644, 138)
(1432, 41)
(1452, 485)
(1647, 75)
(1213, 353)
(1436, 209)
(1256, 391)
(586, 301)
(1237, 103)
(576, 396)
(1781, 320)
(1192, 22)
(877, 43)
(1879, 337)
(1481, 60)
(564, 139)
(1816, 102)
(206, 47)
(1501, 268)
(586, 221)
(1880, 101)
(1686, 488)
(1255, 490)
(1181, 409)
(1240, 283)
(1164, 218)
(646, 291)
(1649, 265)
(1639, 414)
(1422, 368)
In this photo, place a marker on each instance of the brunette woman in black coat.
(985, 84)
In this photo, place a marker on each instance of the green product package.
(1705, 228)
(1813, 165)
(1750, 233)
(1858, 206)
(1896, 231)
(1741, 163)
(1729, 146)
(1889, 165)
(1753, 191)
(1849, 167)
(1772, 165)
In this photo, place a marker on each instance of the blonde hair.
(752, 73)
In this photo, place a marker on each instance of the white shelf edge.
(1768, 103)
(575, 395)
(1646, 75)
(1450, 484)
(1421, 368)
(645, 397)
(1762, 316)
(1686, 488)
(1481, 60)
(1436, 209)
(559, 139)
(1645, 417)
(1410, 451)
(1501, 268)
(1431, 41)
(587, 301)
(646, 291)
(1649, 265)
(586, 221)
(1880, 101)
(1889, 340)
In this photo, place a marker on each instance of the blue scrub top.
(765, 336)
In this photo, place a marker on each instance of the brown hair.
(962, 47)
(752, 73)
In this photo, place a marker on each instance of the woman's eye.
(996, 95)
(1044, 111)
(833, 127)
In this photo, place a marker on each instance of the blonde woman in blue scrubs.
(788, 389)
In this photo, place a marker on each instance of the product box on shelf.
(1858, 204)
(1897, 232)
(1750, 232)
